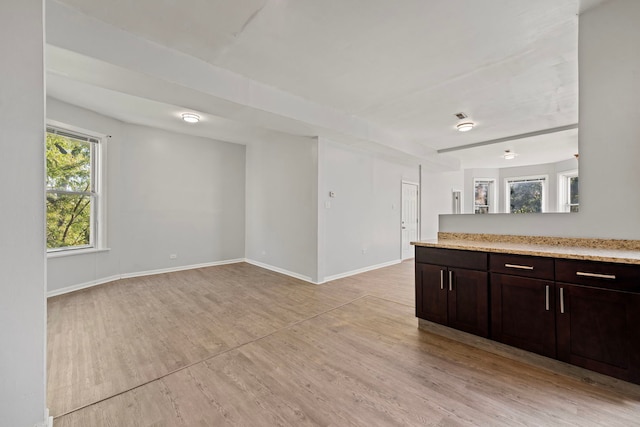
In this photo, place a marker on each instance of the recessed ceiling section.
(403, 65)
(388, 72)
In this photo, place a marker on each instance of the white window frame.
(491, 196)
(98, 178)
(564, 180)
(507, 189)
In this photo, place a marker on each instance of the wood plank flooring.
(239, 345)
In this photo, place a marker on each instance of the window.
(568, 193)
(72, 189)
(483, 196)
(526, 195)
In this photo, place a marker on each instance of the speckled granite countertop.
(606, 250)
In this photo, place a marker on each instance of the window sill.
(71, 252)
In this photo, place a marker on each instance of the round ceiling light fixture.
(190, 118)
(465, 127)
(509, 155)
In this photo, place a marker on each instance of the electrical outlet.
(173, 256)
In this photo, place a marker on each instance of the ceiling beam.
(509, 138)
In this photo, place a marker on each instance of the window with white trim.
(526, 194)
(568, 194)
(73, 189)
(483, 195)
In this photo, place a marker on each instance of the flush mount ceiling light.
(465, 127)
(509, 155)
(191, 118)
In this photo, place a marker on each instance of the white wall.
(436, 198)
(180, 195)
(609, 62)
(22, 262)
(362, 223)
(609, 93)
(174, 194)
(167, 193)
(281, 205)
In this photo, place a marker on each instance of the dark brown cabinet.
(523, 313)
(596, 322)
(468, 301)
(451, 295)
(431, 293)
(523, 302)
(586, 313)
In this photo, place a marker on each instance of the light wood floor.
(239, 345)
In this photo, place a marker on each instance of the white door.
(410, 219)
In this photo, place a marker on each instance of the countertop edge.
(573, 253)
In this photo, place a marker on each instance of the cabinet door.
(523, 313)
(468, 301)
(598, 330)
(431, 293)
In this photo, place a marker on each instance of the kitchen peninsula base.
(577, 305)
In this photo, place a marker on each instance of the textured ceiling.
(406, 65)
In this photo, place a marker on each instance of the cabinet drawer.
(522, 265)
(621, 277)
(452, 258)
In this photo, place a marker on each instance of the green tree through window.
(525, 196)
(70, 190)
(574, 197)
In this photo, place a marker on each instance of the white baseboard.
(280, 270)
(48, 421)
(361, 270)
(100, 281)
(79, 286)
(181, 268)
(308, 279)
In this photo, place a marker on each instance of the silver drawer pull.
(441, 279)
(521, 267)
(562, 300)
(546, 298)
(596, 275)
(450, 280)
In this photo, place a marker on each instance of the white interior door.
(410, 218)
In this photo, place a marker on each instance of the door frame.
(418, 207)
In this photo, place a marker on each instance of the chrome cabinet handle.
(562, 300)
(450, 280)
(521, 267)
(596, 275)
(441, 279)
(546, 303)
